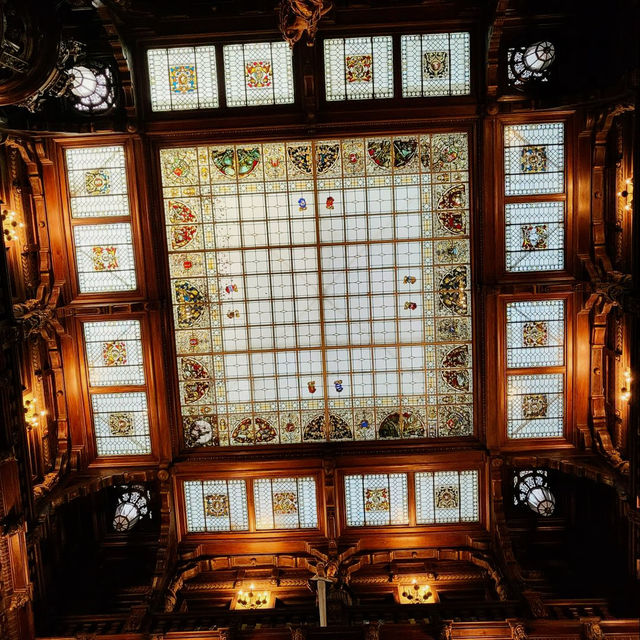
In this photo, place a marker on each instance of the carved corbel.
(592, 630)
(518, 630)
(301, 17)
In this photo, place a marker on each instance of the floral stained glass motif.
(436, 64)
(376, 500)
(121, 423)
(266, 353)
(104, 257)
(534, 158)
(97, 182)
(285, 503)
(114, 353)
(535, 333)
(258, 73)
(447, 496)
(535, 406)
(216, 505)
(358, 68)
(183, 78)
(534, 236)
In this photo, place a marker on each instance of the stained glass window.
(258, 73)
(285, 503)
(534, 158)
(183, 78)
(534, 236)
(535, 405)
(535, 333)
(358, 68)
(121, 423)
(104, 257)
(114, 353)
(377, 499)
(436, 64)
(446, 496)
(97, 182)
(216, 505)
(321, 289)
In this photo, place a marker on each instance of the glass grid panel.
(358, 333)
(447, 496)
(358, 68)
(535, 406)
(285, 503)
(378, 499)
(534, 158)
(97, 182)
(121, 424)
(114, 353)
(534, 236)
(183, 78)
(535, 333)
(436, 64)
(104, 257)
(258, 73)
(216, 505)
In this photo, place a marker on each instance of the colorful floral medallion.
(452, 290)
(449, 152)
(435, 64)
(216, 505)
(180, 213)
(326, 156)
(533, 159)
(456, 421)
(97, 182)
(104, 258)
(178, 166)
(121, 424)
(338, 428)
(194, 391)
(314, 430)
(200, 431)
(453, 198)
(114, 354)
(300, 157)
(457, 380)
(182, 236)
(447, 497)
(359, 68)
(535, 237)
(183, 78)
(376, 499)
(451, 251)
(236, 163)
(380, 152)
(534, 405)
(258, 74)
(425, 155)
(191, 303)
(285, 503)
(256, 431)
(535, 333)
(452, 221)
(193, 369)
(400, 154)
(453, 329)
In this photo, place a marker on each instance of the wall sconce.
(32, 414)
(252, 599)
(415, 593)
(627, 194)
(11, 223)
(625, 391)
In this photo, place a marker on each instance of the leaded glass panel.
(183, 78)
(216, 505)
(535, 333)
(358, 68)
(534, 236)
(321, 289)
(534, 158)
(535, 406)
(104, 257)
(97, 182)
(121, 424)
(435, 64)
(259, 73)
(377, 499)
(285, 503)
(114, 353)
(446, 496)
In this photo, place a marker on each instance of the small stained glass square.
(535, 406)
(216, 505)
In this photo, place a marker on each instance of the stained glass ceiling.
(321, 289)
